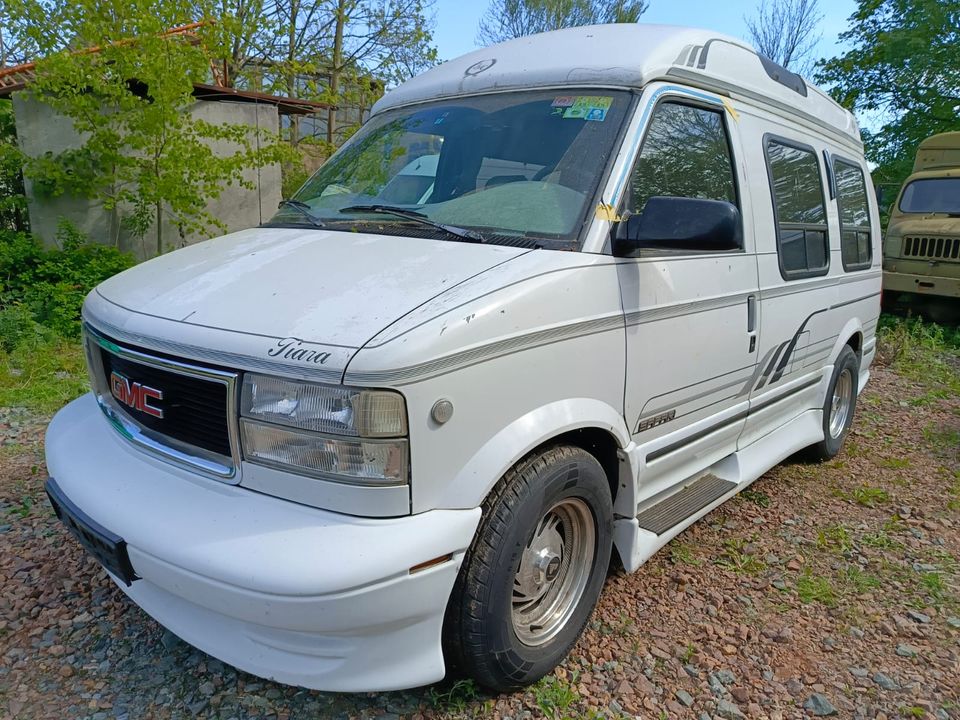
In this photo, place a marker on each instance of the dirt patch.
(822, 589)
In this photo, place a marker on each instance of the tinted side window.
(799, 208)
(686, 153)
(854, 216)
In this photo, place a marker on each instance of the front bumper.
(287, 592)
(922, 284)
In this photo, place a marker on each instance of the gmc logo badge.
(135, 395)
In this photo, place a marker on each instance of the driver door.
(690, 315)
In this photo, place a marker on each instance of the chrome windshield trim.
(220, 467)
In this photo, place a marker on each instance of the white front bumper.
(284, 591)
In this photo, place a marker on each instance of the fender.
(852, 327)
(478, 476)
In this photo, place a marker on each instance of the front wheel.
(839, 406)
(534, 571)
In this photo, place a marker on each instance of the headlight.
(324, 408)
(331, 432)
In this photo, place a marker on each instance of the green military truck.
(921, 252)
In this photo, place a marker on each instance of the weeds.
(735, 558)
(834, 536)
(814, 588)
(757, 497)
(920, 351)
(683, 554)
(555, 697)
(42, 376)
(865, 495)
(454, 699)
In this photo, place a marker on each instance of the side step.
(659, 518)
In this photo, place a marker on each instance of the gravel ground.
(823, 590)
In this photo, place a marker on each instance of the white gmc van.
(558, 298)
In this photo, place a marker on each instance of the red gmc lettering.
(135, 395)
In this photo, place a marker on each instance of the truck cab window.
(686, 153)
(799, 209)
(855, 247)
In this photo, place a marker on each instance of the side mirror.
(677, 223)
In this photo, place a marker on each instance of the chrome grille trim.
(181, 453)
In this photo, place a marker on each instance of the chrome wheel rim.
(841, 403)
(554, 568)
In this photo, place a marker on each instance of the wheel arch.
(590, 424)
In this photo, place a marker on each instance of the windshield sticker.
(588, 107)
(564, 101)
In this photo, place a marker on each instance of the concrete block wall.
(40, 129)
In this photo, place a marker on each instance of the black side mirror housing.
(678, 223)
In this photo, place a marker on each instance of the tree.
(903, 70)
(13, 203)
(506, 19)
(389, 39)
(786, 31)
(128, 95)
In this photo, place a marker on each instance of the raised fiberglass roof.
(625, 55)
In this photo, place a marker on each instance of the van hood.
(318, 286)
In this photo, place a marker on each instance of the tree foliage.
(506, 19)
(13, 202)
(786, 31)
(143, 153)
(903, 69)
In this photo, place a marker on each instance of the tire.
(839, 406)
(506, 628)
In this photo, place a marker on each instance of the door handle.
(752, 321)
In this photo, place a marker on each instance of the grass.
(555, 697)
(683, 554)
(815, 588)
(43, 377)
(757, 497)
(834, 537)
(865, 495)
(942, 438)
(736, 559)
(921, 351)
(455, 698)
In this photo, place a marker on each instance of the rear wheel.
(534, 571)
(839, 406)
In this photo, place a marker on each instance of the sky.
(457, 20)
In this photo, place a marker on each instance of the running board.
(669, 513)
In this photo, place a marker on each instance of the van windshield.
(518, 168)
(932, 195)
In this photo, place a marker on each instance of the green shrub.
(51, 284)
(19, 329)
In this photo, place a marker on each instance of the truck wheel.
(839, 406)
(534, 571)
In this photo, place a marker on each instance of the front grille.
(932, 248)
(194, 409)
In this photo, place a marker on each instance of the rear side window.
(799, 209)
(686, 153)
(855, 247)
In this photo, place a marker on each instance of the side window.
(799, 209)
(855, 248)
(686, 153)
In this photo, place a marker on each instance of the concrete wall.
(40, 130)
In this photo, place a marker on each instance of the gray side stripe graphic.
(683, 401)
(439, 366)
(498, 348)
(773, 360)
(638, 317)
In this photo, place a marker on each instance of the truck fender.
(477, 477)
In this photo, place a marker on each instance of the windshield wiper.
(304, 210)
(419, 217)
